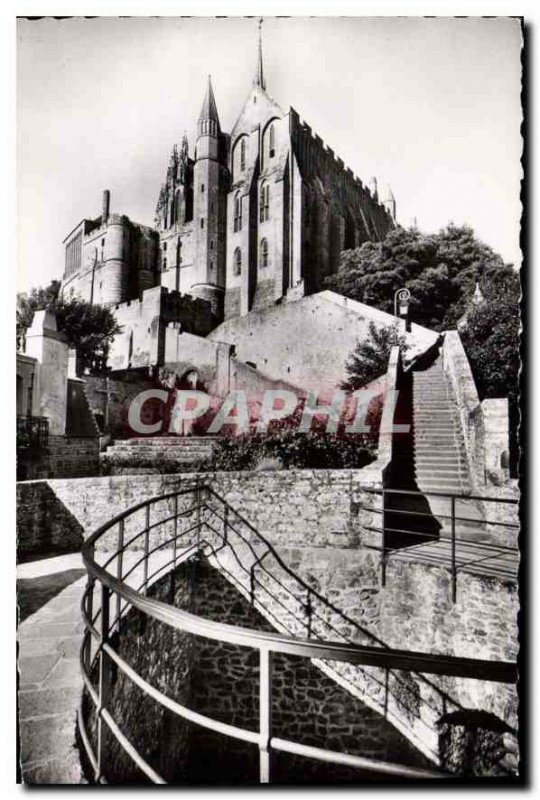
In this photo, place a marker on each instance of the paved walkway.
(50, 684)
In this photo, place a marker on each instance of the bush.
(294, 450)
(164, 466)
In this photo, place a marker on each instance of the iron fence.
(208, 522)
(32, 433)
(443, 528)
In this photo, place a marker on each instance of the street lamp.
(401, 304)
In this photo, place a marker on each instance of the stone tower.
(209, 216)
(388, 201)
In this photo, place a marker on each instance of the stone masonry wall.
(221, 681)
(317, 521)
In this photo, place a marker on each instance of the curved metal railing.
(192, 528)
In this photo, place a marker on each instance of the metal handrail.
(266, 642)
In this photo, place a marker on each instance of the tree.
(89, 329)
(440, 270)
(369, 359)
(491, 340)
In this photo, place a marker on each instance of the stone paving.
(50, 682)
(49, 678)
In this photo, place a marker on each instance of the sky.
(430, 106)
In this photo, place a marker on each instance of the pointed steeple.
(258, 78)
(208, 118)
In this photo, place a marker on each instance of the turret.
(208, 128)
(388, 201)
(208, 204)
(106, 206)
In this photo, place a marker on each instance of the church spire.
(258, 79)
(208, 118)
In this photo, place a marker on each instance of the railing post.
(120, 567)
(265, 713)
(90, 610)
(225, 524)
(453, 529)
(383, 555)
(103, 688)
(252, 584)
(309, 612)
(146, 547)
(175, 529)
(198, 502)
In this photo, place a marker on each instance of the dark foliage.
(89, 329)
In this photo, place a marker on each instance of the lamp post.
(401, 305)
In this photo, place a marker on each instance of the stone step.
(427, 412)
(434, 440)
(135, 448)
(436, 403)
(173, 456)
(171, 439)
(426, 472)
(434, 428)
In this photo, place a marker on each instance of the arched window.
(237, 261)
(271, 142)
(264, 253)
(238, 213)
(243, 154)
(264, 202)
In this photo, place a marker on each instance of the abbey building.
(247, 219)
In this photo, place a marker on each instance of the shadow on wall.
(45, 527)
(221, 680)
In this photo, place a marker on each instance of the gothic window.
(271, 142)
(177, 205)
(164, 247)
(164, 263)
(237, 261)
(243, 154)
(264, 253)
(237, 213)
(189, 204)
(264, 202)
(202, 222)
(202, 188)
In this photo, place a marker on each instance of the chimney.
(106, 206)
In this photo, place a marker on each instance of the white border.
(8, 11)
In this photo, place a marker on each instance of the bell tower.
(209, 208)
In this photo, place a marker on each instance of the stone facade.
(308, 342)
(71, 446)
(250, 218)
(110, 259)
(484, 425)
(222, 681)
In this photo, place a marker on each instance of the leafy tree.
(89, 329)
(440, 270)
(491, 340)
(369, 359)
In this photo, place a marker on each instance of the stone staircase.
(182, 450)
(440, 462)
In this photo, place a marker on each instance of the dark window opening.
(237, 261)
(238, 213)
(264, 202)
(271, 142)
(243, 154)
(264, 253)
